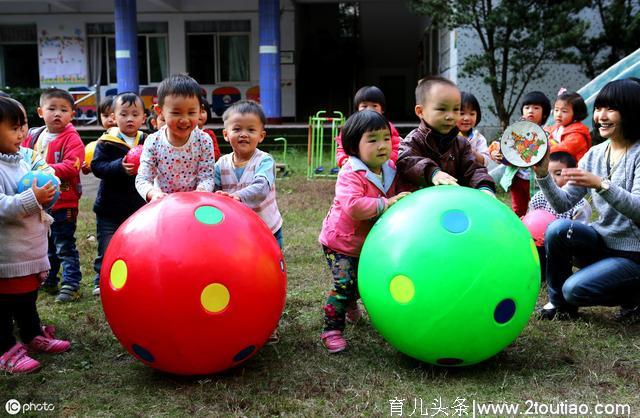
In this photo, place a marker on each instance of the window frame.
(217, 77)
(106, 36)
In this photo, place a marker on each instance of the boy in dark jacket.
(434, 154)
(117, 197)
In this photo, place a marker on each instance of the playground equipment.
(282, 167)
(318, 125)
(627, 67)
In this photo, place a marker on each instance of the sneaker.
(42, 344)
(628, 313)
(274, 338)
(96, 290)
(67, 294)
(353, 313)
(49, 288)
(16, 360)
(333, 341)
(49, 331)
(550, 311)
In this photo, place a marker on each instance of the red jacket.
(216, 148)
(575, 139)
(341, 157)
(65, 155)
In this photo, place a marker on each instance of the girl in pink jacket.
(365, 188)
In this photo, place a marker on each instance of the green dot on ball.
(209, 215)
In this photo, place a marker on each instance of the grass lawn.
(592, 360)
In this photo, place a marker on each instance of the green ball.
(449, 275)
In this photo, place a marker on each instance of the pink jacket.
(360, 199)
(341, 157)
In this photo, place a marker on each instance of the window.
(218, 51)
(19, 56)
(153, 56)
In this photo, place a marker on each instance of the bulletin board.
(62, 60)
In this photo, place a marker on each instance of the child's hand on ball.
(129, 168)
(43, 194)
(395, 198)
(220, 192)
(442, 178)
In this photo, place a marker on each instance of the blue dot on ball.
(244, 353)
(143, 353)
(504, 311)
(455, 221)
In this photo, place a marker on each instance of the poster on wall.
(62, 59)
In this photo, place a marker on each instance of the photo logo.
(12, 407)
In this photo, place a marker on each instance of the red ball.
(193, 283)
(537, 222)
(133, 157)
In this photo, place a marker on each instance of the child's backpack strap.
(35, 134)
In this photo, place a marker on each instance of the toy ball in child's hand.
(133, 157)
(193, 283)
(537, 222)
(449, 275)
(88, 153)
(42, 178)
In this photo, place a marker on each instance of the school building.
(326, 50)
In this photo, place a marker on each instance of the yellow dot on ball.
(402, 289)
(534, 249)
(215, 298)
(118, 274)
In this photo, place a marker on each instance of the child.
(248, 174)
(203, 120)
(535, 108)
(581, 212)
(105, 112)
(23, 250)
(558, 161)
(372, 98)
(365, 188)
(607, 249)
(569, 134)
(434, 154)
(177, 158)
(470, 117)
(154, 121)
(117, 197)
(59, 144)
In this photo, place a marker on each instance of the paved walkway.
(89, 185)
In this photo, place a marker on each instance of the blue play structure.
(627, 67)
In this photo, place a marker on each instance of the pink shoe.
(16, 360)
(353, 313)
(333, 341)
(41, 344)
(49, 331)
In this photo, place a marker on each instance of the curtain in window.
(238, 54)
(158, 58)
(95, 60)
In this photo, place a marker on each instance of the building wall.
(66, 23)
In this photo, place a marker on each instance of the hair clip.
(562, 90)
